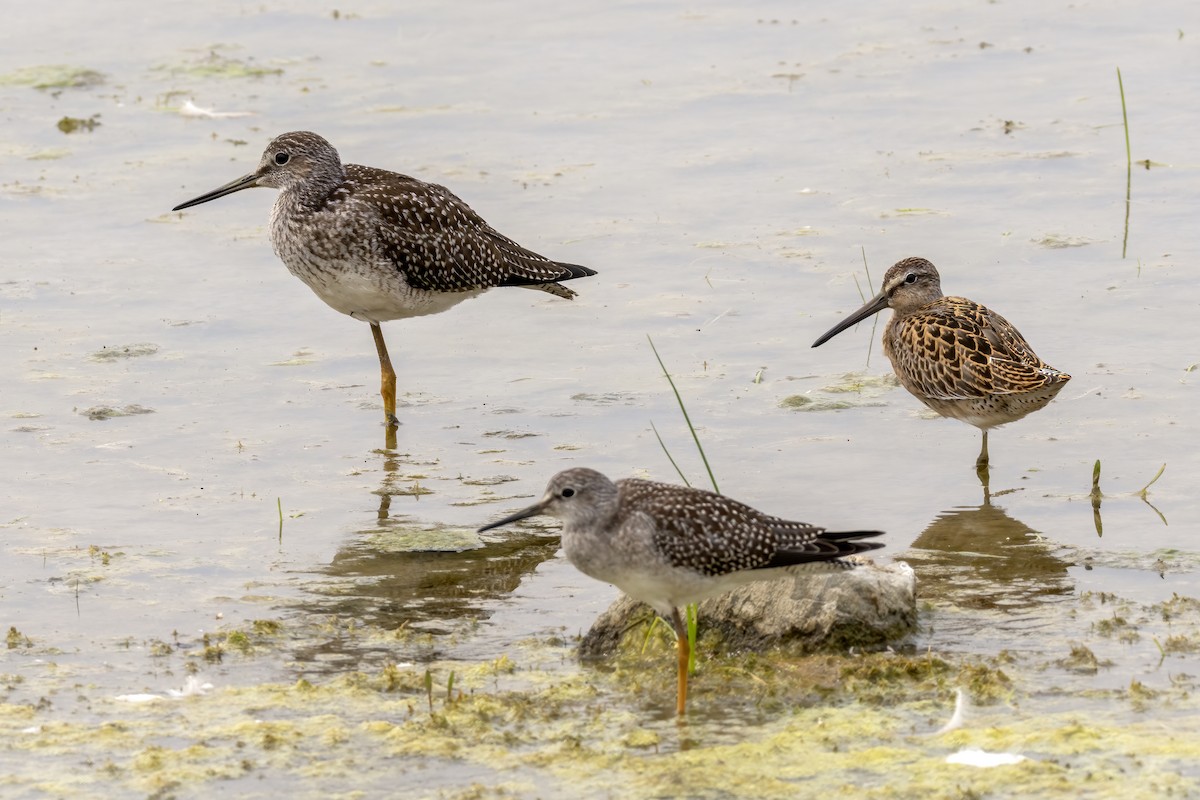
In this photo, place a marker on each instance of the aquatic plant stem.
(867, 269)
(1125, 120)
(1128, 163)
(874, 322)
(1142, 492)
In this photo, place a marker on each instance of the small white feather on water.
(956, 719)
(190, 109)
(139, 698)
(191, 686)
(974, 757)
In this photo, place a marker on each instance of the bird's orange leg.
(387, 376)
(681, 644)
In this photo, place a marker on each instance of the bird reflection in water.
(980, 557)
(404, 573)
(375, 582)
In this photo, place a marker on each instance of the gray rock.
(864, 607)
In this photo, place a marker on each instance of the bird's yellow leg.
(387, 376)
(681, 643)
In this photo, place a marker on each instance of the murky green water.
(170, 393)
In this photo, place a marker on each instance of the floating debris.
(110, 412)
(77, 124)
(1054, 241)
(53, 76)
(124, 351)
(216, 65)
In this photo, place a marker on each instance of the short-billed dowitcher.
(668, 545)
(379, 246)
(960, 358)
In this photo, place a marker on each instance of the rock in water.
(864, 607)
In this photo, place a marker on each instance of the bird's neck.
(315, 192)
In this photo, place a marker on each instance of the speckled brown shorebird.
(379, 246)
(668, 545)
(960, 358)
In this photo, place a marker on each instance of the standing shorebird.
(378, 245)
(668, 545)
(960, 358)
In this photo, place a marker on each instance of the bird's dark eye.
(568, 492)
(281, 158)
(909, 278)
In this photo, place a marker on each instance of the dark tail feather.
(848, 544)
(576, 271)
(568, 272)
(830, 546)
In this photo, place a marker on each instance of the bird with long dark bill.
(378, 246)
(669, 545)
(959, 358)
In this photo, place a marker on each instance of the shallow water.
(172, 393)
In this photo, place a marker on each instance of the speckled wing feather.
(715, 535)
(441, 244)
(530, 269)
(956, 349)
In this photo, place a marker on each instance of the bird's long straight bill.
(532, 511)
(244, 182)
(877, 303)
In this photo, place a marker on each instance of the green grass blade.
(693, 618)
(1128, 164)
(686, 418)
(692, 612)
(1125, 119)
(667, 452)
(861, 295)
(874, 322)
(649, 630)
